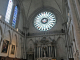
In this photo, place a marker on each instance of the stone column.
(75, 25)
(77, 55)
(25, 30)
(55, 52)
(37, 52)
(78, 7)
(70, 51)
(49, 51)
(74, 49)
(28, 56)
(34, 53)
(41, 51)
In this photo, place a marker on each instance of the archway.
(61, 50)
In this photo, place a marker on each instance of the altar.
(45, 50)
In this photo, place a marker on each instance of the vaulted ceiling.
(29, 6)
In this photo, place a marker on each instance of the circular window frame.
(47, 18)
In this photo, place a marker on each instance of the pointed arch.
(61, 49)
(8, 12)
(15, 17)
(31, 40)
(1, 33)
(59, 38)
(40, 9)
(72, 31)
(10, 35)
(30, 44)
(16, 40)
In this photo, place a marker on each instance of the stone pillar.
(75, 25)
(25, 30)
(71, 53)
(28, 56)
(74, 49)
(55, 52)
(41, 51)
(78, 7)
(34, 53)
(49, 51)
(37, 52)
(77, 55)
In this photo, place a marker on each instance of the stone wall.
(10, 34)
(61, 52)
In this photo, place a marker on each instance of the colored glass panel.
(15, 16)
(8, 12)
(44, 21)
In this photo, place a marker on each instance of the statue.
(44, 54)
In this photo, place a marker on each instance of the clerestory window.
(8, 12)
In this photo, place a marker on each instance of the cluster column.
(78, 7)
(39, 52)
(55, 51)
(75, 24)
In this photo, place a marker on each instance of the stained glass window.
(15, 16)
(44, 21)
(8, 12)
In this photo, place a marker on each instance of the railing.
(46, 33)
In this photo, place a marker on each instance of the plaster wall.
(3, 7)
(61, 52)
(14, 38)
(57, 27)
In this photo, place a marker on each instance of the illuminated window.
(44, 21)
(8, 12)
(15, 16)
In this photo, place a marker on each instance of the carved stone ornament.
(44, 41)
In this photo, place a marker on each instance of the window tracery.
(15, 17)
(8, 12)
(44, 21)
